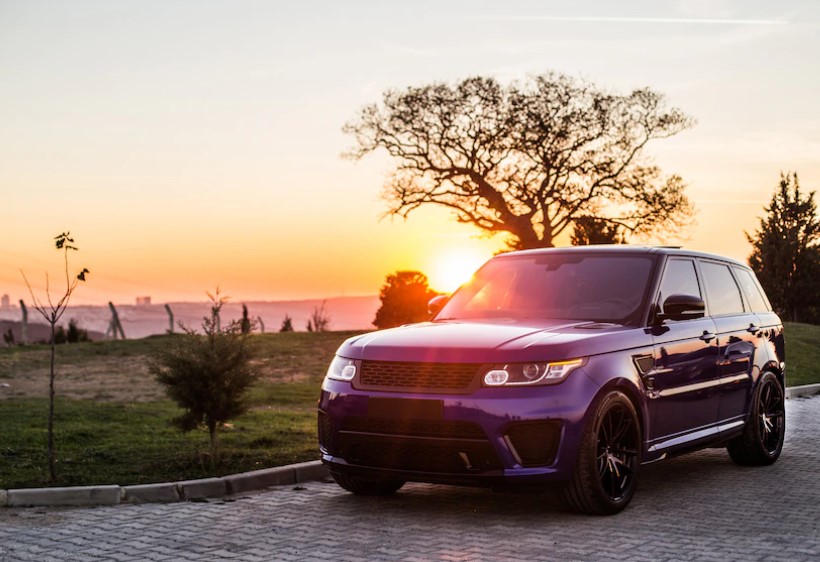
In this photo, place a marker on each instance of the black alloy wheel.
(771, 417)
(606, 475)
(762, 438)
(617, 452)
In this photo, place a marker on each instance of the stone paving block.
(77, 495)
(202, 488)
(141, 493)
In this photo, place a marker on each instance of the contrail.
(604, 19)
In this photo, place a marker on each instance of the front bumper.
(491, 437)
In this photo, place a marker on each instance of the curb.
(804, 390)
(186, 490)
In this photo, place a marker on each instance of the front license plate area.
(405, 409)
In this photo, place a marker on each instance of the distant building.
(143, 301)
(5, 302)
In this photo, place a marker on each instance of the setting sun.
(453, 267)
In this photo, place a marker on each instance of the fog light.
(496, 377)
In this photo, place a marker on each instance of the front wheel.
(606, 475)
(366, 487)
(762, 438)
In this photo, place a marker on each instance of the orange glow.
(453, 267)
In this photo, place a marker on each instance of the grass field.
(802, 354)
(112, 418)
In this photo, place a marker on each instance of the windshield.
(572, 286)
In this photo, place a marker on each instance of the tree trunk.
(51, 471)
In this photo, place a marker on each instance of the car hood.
(495, 341)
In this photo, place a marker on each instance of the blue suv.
(567, 367)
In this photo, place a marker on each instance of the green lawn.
(113, 427)
(802, 353)
(122, 435)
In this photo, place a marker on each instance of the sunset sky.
(193, 143)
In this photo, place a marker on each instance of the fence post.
(170, 319)
(24, 327)
(115, 327)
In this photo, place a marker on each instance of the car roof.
(626, 249)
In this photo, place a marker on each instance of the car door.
(737, 334)
(682, 393)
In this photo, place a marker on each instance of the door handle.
(708, 336)
(752, 329)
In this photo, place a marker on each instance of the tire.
(365, 487)
(762, 438)
(609, 459)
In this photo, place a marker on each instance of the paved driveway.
(696, 507)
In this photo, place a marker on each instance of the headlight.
(518, 374)
(341, 369)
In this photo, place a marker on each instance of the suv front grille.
(433, 377)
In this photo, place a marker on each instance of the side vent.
(644, 364)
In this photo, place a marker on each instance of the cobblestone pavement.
(696, 507)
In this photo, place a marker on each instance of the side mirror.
(682, 307)
(435, 304)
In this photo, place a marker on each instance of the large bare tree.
(529, 158)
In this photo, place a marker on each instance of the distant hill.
(37, 332)
(346, 313)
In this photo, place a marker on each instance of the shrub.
(207, 375)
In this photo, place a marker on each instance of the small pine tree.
(75, 334)
(60, 336)
(207, 375)
(287, 324)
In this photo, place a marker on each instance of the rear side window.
(679, 278)
(722, 291)
(750, 289)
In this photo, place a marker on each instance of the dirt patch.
(105, 379)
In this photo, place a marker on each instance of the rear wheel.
(762, 438)
(606, 474)
(367, 487)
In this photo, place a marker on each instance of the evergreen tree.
(207, 375)
(404, 297)
(786, 252)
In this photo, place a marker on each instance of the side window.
(750, 289)
(679, 278)
(723, 293)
